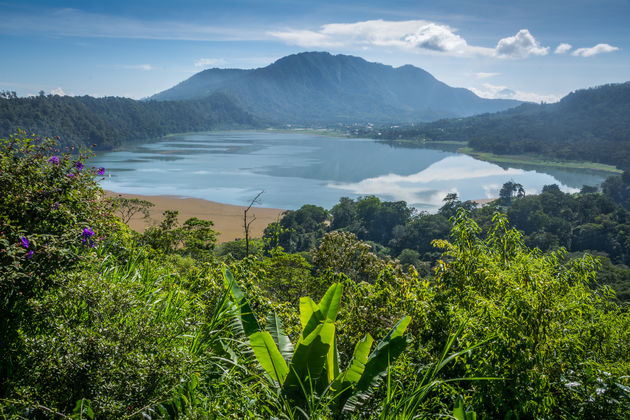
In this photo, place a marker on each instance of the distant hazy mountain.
(323, 88)
(588, 124)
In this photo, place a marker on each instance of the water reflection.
(295, 169)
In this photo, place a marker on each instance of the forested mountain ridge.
(589, 124)
(110, 121)
(317, 87)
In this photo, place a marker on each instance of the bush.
(114, 335)
(50, 215)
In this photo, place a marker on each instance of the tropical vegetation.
(99, 321)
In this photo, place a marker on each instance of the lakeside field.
(539, 161)
(227, 219)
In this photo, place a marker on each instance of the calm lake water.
(295, 169)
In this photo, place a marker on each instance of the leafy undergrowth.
(102, 322)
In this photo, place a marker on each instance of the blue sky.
(531, 50)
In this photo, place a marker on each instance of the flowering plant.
(50, 212)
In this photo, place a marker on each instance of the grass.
(539, 161)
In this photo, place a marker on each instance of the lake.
(294, 169)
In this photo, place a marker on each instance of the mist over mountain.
(317, 87)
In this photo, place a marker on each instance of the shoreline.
(227, 218)
(532, 160)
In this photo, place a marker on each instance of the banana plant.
(311, 369)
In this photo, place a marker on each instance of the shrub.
(50, 215)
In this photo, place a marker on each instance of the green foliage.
(460, 413)
(115, 335)
(236, 248)
(194, 238)
(122, 329)
(51, 216)
(546, 323)
(311, 375)
(341, 253)
(110, 122)
(298, 230)
(127, 208)
(510, 190)
(588, 124)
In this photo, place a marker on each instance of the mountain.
(317, 87)
(110, 121)
(588, 124)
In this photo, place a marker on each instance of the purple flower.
(24, 241)
(87, 234)
(29, 255)
(54, 160)
(101, 171)
(79, 165)
(56, 206)
(70, 175)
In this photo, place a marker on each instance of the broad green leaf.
(309, 359)
(458, 410)
(329, 305)
(359, 359)
(460, 413)
(269, 356)
(385, 353)
(307, 309)
(335, 361)
(344, 383)
(246, 316)
(274, 326)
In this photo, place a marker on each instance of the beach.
(227, 218)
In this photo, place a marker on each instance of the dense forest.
(315, 320)
(590, 222)
(590, 124)
(109, 122)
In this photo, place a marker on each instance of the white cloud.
(437, 38)
(410, 35)
(597, 49)
(58, 91)
(521, 45)
(563, 48)
(483, 75)
(210, 62)
(490, 91)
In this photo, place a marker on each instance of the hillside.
(317, 87)
(110, 121)
(589, 124)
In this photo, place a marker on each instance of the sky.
(522, 49)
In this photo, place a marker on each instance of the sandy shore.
(227, 219)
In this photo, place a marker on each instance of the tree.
(247, 223)
(560, 345)
(344, 214)
(342, 252)
(510, 190)
(195, 237)
(129, 207)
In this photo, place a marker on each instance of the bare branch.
(246, 223)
